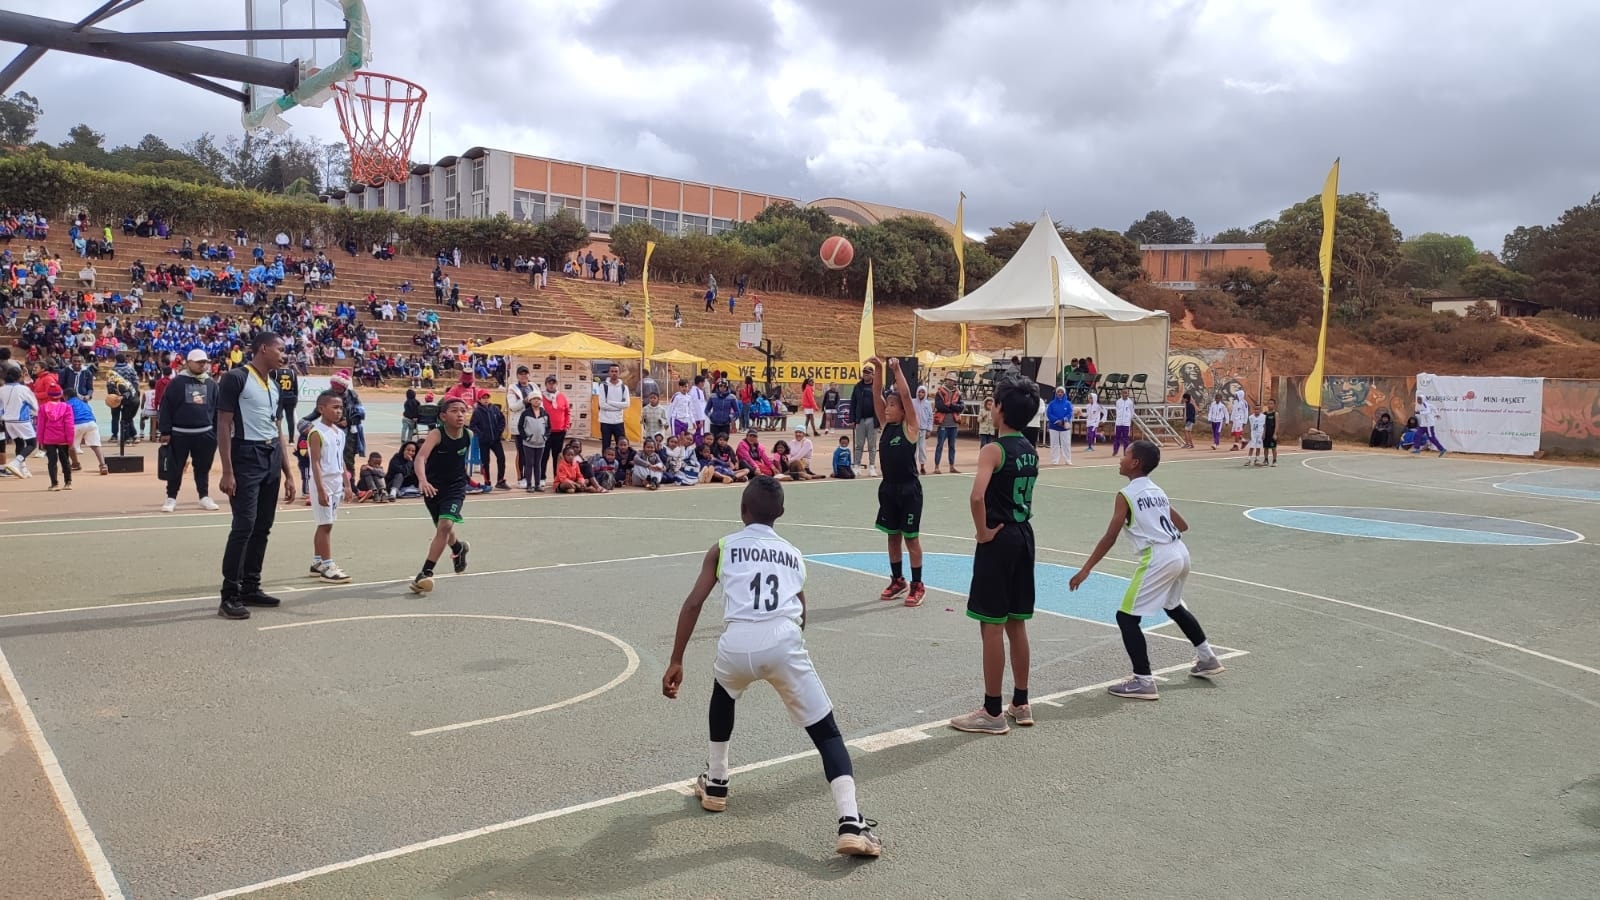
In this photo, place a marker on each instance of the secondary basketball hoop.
(379, 115)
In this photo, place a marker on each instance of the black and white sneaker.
(856, 838)
(713, 793)
(458, 558)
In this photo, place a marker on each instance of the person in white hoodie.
(1240, 418)
(1427, 419)
(683, 412)
(1094, 415)
(1217, 414)
(1122, 435)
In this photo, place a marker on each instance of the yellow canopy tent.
(968, 360)
(577, 345)
(678, 358)
(513, 346)
(926, 357)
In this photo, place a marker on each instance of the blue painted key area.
(1096, 601)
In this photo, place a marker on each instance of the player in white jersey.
(1155, 529)
(1258, 433)
(329, 480)
(764, 610)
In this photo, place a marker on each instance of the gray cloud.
(1462, 119)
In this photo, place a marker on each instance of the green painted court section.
(1397, 718)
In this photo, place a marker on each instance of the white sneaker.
(208, 503)
(25, 472)
(170, 505)
(15, 465)
(872, 471)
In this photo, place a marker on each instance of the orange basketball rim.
(379, 115)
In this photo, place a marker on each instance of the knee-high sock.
(835, 765)
(1133, 639)
(1190, 625)
(721, 722)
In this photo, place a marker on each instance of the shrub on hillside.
(1148, 296)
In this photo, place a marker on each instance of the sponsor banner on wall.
(1485, 414)
(823, 373)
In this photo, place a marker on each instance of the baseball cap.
(800, 431)
(550, 378)
(198, 355)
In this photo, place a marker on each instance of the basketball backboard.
(749, 335)
(322, 62)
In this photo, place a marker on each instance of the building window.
(664, 222)
(527, 206)
(718, 226)
(600, 216)
(450, 182)
(452, 207)
(358, 201)
(400, 196)
(425, 188)
(557, 205)
(695, 224)
(628, 214)
(478, 170)
(379, 197)
(480, 205)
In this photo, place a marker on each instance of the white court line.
(843, 568)
(627, 650)
(869, 744)
(1306, 463)
(328, 587)
(82, 835)
(1506, 475)
(1311, 511)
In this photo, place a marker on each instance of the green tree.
(1111, 258)
(1520, 250)
(1366, 246)
(1487, 280)
(1255, 234)
(1433, 260)
(180, 169)
(1159, 227)
(83, 145)
(1566, 262)
(19, 118)
(628, 241)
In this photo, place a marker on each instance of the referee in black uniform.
(254, 465)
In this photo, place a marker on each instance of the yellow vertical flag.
(959, 239)
(1055, 297)
(1330, 208)
(649, 329)
(866, 342)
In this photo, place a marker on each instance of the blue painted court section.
(1096, 601)
(1358, 526)
(1541, 490)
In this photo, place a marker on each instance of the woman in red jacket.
(560, 412)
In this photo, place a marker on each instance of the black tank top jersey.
(1009, 498)
(288, 383)
(898, 454)
(447, 464)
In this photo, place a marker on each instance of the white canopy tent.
(1093, 321)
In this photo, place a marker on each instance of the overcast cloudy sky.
(1466, 116)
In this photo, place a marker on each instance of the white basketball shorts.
(774, 653)
(326, 515)
(1158, 581)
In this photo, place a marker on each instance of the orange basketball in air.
(837, 252)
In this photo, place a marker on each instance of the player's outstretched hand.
(1078, 579)
(671, 681)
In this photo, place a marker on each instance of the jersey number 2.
(772, 592)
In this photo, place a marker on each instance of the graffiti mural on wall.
(1571, 417)
(1352, 403)
(1203, 373)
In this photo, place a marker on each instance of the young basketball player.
(900, 493)
(330, 481)
(1155, 530)
(764, 613)
(441, 468)
(1001, 597)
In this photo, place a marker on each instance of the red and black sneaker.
(897, 586)
(918, 592)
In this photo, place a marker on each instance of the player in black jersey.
(900, 493)
(1001, 596)
(288, 395)
(441, 468)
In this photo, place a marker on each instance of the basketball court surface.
(1410, 706)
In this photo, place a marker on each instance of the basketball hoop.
(379, 115)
